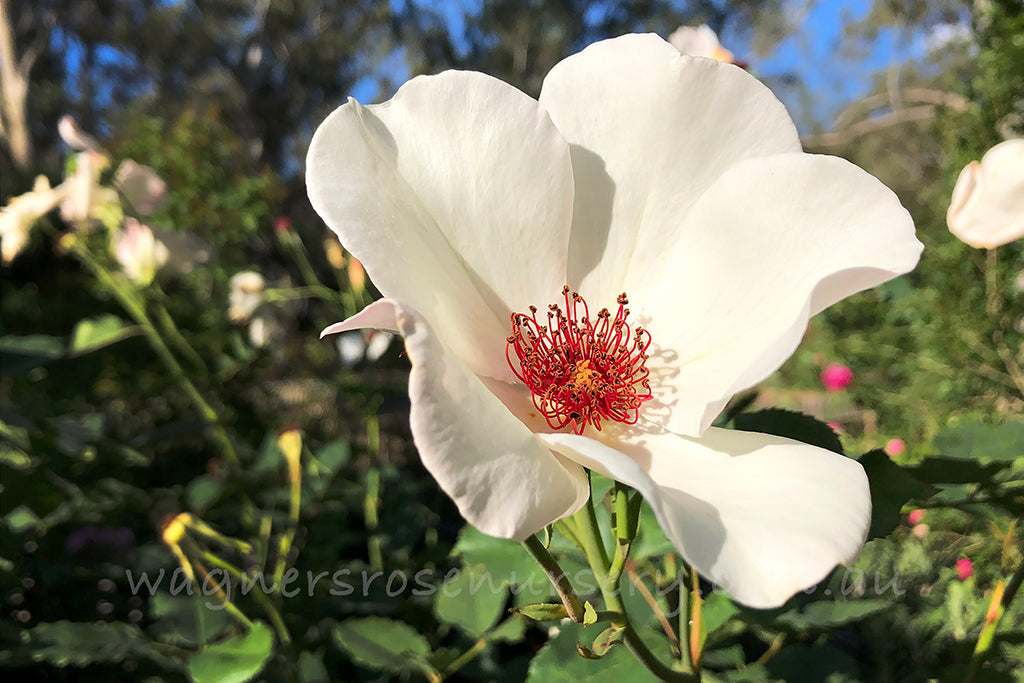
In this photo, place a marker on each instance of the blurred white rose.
(76, 138)
(987, 208)
(356, 345)
(21, 213)
(700, 41)
(86, 202)
(246, 296)
(142, 188)
(138, 251)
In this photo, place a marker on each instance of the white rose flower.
(676, 179)
(987, 208)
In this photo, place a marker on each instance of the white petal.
(773, 241)
(457, 197)
(380, 315)
(759, 515)
(650, 129)
(987, 208)
(503, 480)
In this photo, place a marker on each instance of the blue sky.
(812, 53)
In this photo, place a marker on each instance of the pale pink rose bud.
(915, 517)
(836, 377)
(987, 207)
(895, 447)
(836, 427)
(85, 202)
(964, 568)
(282, 224)
(921, 530)
(138, 251)
(76, 138)
(141, 187)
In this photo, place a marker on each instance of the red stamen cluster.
(581, 371)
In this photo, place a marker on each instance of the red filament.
(581, 371)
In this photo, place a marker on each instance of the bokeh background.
(108, 438)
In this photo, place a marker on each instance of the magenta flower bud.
(836, 377)
(964, 568)
(895, 447)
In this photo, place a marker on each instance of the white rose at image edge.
(987, 207)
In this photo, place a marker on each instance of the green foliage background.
(101, 446)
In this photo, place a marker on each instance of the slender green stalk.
(685, 648)
(134, 306)
(624, 529)
(307, 292)
(464, 658)
(291, 241)
(225, 599)
(1001, 599)
(993, 300)
(597, 557)
(559, 580)
(288, 537)
(178, 339)
(696, 622)
(371, 504)
(275, 617)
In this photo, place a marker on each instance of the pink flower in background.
(139, 251)
(836, 377)
(895, 447)
(915, 516)
(282, 224)
(921, 530)
(836, 427)
(141, 187)
(964, 568)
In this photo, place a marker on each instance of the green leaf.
(606, 640)
(472, 600)
(824, 614)
(21, 519)
(186, 621)
(76, 432)
(559, 661)
(66, 643)
(976, 440)
(818, 663)
(382, 644)
(203, 491)
(589, 614)
(717, 609)
(544, 611)
(312, 669)
(939, 470)
(334, 455)
(650, 539)
(891, 487)
(506, 560)
(21, 353)
(512, 630)
(92, 334)
(791, 425)
(235, 660)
